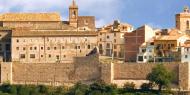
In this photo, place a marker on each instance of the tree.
(160, 76)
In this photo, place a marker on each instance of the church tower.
(183, 20)
(73, 14)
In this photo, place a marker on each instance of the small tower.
(183, 20)
(186, 9)
(73, 14)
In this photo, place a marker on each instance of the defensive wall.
(88, 70)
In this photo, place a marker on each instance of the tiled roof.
(167, 38)
(39, 33)
(30, 17)
(186, 44)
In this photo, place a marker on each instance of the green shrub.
(146, 86)
(129, 86)
(43, 89)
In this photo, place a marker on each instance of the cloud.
(104, 10)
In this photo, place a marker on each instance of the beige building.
(44, 37)
(111, 39)
(51, 46)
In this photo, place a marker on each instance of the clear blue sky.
(157, 13)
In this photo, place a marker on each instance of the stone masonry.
(88, 70)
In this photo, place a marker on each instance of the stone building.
(134, 39)
(111, 39)
(51, 46)
(44, 37)
(183, 20)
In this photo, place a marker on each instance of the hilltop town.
(40, 48)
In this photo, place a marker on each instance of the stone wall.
(137, 73)
(6, 72)
(56, 73)
(88, 70)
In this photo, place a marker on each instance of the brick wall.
(132, 42)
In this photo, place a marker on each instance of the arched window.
(187, 24)
(74, 13)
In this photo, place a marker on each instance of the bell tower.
(73, 14)
(183, 19)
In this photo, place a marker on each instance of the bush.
(146, 86)
(78, 89)
(129, 86)
(23, 90)
(43, 89)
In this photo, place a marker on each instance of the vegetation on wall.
(97, 88)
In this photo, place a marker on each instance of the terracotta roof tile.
(30, 17)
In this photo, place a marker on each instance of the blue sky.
(156, 13)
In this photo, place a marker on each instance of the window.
(186, 56)
(100, 39)
(30, 48)
(88, 46)
(32, 56)
(49, 55)
(35, 48)
(17, 40)
(74, 13)
(100, 46)
(115, 54)
(55, 48)
(48, 48)
(108, 37)
(86, 39)
(0, 47)
(172, 45)
(24, 48)
(42, 55)
(145, 57)
(22, 56)
(143, 50)
(57, 56)
(63, 47)
(64, 56)
(42, 48)
(187, 24)
(17, 48)
(114, 40)
(8, 47)
(150, 57)
(114, 34)
(140, 58)
(78, 47)
(115, 46)
(107, 45)
(100, 33)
